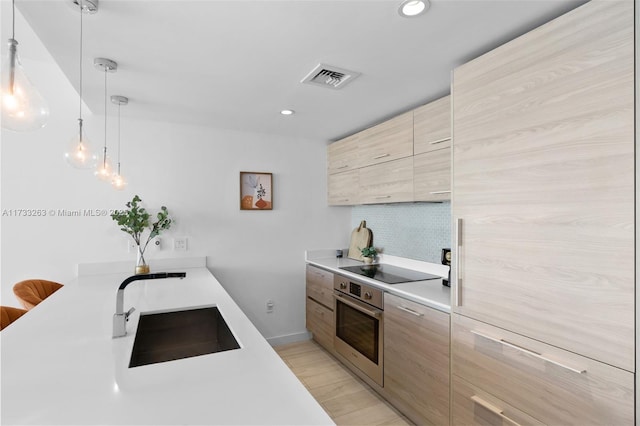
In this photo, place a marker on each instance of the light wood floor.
(346, 398)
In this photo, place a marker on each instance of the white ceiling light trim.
(411, 8)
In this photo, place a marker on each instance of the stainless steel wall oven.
(359, 326)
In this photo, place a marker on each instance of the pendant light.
(104, 170)
(23, 108)
(80, 153)
(118, 182)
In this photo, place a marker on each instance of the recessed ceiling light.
(287, 112)
(411, 8)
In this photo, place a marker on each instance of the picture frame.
(256, 191)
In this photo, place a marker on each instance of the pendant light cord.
(80, 64)
(13, 19)
(119, 105)
(104, 158)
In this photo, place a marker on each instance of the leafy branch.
(135, 220)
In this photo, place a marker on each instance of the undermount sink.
(168, 336)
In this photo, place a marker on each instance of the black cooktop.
(389, 274)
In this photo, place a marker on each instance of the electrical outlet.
(180, 244)
(131, 246)
(270, 306)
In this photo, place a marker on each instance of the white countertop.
(60, 364)
(429, 292)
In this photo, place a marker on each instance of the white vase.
(368, 259)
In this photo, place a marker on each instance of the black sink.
(168, 336)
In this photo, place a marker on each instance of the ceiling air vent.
(329, 76)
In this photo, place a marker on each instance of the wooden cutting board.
(361, 237)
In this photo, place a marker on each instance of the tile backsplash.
(416, 231)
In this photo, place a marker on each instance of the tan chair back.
(31, 292)
(9, 315)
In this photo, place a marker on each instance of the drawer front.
(472, 406)
(320, 286)
(416, 360)
(387, 141)
(432, 176)
(553, 385)
(320, 322)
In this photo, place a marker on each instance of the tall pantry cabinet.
(543, 327)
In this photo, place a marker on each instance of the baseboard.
(289, 338)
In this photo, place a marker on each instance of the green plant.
(369, 251)
(134, 220)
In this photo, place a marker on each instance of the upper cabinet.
(404, 159)
(390, 140)
(342, 155)
(432, 126)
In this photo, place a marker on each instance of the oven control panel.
(361, 291)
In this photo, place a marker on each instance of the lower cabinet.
(516, 378)
(320, 319)
(320, 322)
(416, 360)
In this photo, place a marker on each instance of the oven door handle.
(357, 306)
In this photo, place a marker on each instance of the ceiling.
(236, 64)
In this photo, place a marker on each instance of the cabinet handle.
(410, 311)
(377, 157)
(495, 410)
(440, 192)
(342, 167)
(380, 197)
(528, 352)
(458, 237)
(439, 141)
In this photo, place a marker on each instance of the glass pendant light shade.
(80, 154)
(118, 182)
(23, 108)
(104, 169)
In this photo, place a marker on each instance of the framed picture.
(256, 191)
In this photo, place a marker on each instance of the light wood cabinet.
(343, 188)
(432, 126)
(472, 406)
(543, 184)
(342, 155)
(320, 319)
(321, 324)
(375, 154)
(432, 176)
(555, 386)
(390, 182)
(543, 202)
(387, 141)
(416, 360)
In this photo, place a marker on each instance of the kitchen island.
(60, 364)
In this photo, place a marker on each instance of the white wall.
(194, 171)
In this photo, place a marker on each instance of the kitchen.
(257, 256)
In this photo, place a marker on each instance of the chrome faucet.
(120, 318)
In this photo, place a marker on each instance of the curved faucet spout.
(120, 318)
